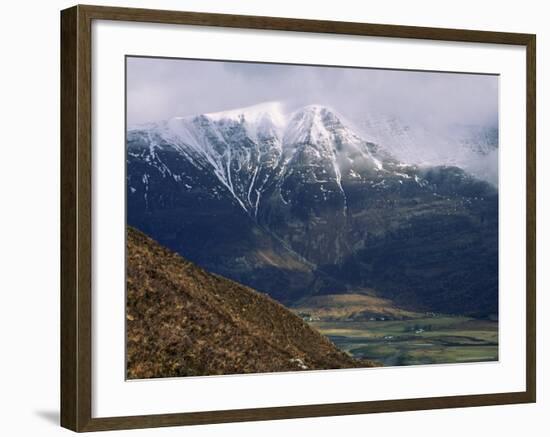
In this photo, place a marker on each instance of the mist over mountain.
(472, 147)
(297, 201)
(421, 117)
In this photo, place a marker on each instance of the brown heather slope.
(184, 321)
(354, 306)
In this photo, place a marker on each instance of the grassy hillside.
(184, 321)
(360, 305)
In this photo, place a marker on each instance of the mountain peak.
(315, 124)
(275, 110)
(316, 108)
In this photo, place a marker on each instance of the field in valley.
(434, 339)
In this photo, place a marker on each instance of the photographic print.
(286, 217)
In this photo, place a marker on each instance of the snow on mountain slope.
(252, 148)
(323, 128)
(471, 147)
(260, 121)
(242, 192)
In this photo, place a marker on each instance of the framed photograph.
(268, 218)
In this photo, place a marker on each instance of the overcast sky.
(163, 88)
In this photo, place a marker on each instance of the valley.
(427, 340)
(364, 325)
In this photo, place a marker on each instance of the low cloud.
(163, 88)
(427, 102)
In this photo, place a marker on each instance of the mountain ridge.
(242, 192)
(266, 148)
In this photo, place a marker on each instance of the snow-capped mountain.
(250, 149)
(293, 201)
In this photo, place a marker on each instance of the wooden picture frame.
(76, 217)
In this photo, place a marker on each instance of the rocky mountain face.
(184, 321)
(298, 204)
